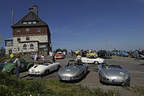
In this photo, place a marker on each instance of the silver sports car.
(73, 71)
(114, 74)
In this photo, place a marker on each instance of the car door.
(51, 67)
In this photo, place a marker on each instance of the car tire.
(47, 72)
(13, 71)
(58, 67)
(96, 62)
(126, 84)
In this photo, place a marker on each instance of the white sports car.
(92, 60)
(41, 69)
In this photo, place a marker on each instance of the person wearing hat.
(11, 55)
(78, 59)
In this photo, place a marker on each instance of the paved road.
(135, 67)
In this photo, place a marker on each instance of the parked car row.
(133, 54)
(73, 70)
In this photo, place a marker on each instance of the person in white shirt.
(78, 59)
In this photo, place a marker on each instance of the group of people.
(16, 60)
(42, 57)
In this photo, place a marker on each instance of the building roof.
(9, 39)
(30, 17)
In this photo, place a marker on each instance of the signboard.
(42, 46)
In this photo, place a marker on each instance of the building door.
(10, 51)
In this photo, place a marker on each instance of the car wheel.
(126, 84)
(47, 72)
(95, 62)
(13, 71)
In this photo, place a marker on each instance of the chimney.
(34, 9)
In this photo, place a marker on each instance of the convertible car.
(9, 67)
(92, 60)
(2, 66)
(41, 69)
(73, 71)
(59, 55)
(114, 74)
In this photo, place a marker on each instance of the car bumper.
(66, 78)
(35, 73)
(114, 81)
(59, 57)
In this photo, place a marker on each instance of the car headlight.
(37, 71)
(126, 76)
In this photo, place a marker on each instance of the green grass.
(11, 86)
(139, 90)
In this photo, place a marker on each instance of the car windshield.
(111, 66)
(92, 57)
(73, 62)
(59, 52)
(45, 63)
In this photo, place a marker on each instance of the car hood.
(8, 67)
(38, 67)
(115, 72)
(70, 70)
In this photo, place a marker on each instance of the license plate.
(66, 78)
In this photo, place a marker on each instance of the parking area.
(135, 67)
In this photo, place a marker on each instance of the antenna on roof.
(12, 12)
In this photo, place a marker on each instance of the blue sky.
(88, 24)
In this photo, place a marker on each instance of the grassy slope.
(11, 86)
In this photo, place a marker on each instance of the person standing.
(43, 57)
(17, 65)
(78, 59)
(35, 58)
(11, 56)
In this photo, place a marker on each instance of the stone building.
(30, 34)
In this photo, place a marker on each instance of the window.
(18, 49)
(17, 30)
(29, 22)
(24, 46)
(9, 43)
(24, 22)
(27, 38)
(18, 39)
(34, 22)
(38, 30)
(31, 46)
(27, 29)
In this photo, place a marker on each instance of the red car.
(59, 55)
